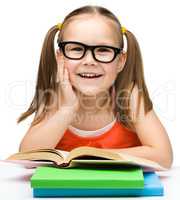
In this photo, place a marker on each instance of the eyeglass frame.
(116, 50)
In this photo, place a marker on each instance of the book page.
(103, 156)
(39, 155)
(116, 163)
(85, 151)
(148, 164)
(63, 153)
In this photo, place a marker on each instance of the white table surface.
(15, 184)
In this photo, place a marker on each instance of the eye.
(104, 50)
(76, 49)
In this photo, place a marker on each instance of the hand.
(67, 95)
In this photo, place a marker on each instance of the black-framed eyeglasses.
(101, 53)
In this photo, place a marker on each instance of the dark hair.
(131, 75)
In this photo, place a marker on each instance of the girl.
(90, 92)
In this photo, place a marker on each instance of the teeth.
(89, 75)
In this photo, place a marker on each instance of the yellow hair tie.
(123, 29)
(59, 26)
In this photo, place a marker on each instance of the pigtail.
(131, 75)
(46, 79)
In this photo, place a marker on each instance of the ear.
(122, 61)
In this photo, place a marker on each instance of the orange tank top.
(117, 137)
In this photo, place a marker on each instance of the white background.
(23, 25)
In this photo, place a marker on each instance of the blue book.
(152, 187)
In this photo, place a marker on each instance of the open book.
(83, 155)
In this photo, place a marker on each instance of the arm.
(153, 136)
(48, 132)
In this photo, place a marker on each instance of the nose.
(88, 58)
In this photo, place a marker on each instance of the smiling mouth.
(89, 75)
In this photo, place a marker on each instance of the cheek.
(111, 71)
(70, 65)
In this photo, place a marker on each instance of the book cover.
(152, 187)
(103, 177)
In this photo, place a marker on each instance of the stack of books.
(89, 171)
(95, 182)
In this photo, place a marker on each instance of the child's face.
(93, 30)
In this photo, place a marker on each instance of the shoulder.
(143, 122)
(136, 104)
(148, 126)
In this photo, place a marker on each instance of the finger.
(66, 82)
(66, 75)
(58, 69)
(61, 69)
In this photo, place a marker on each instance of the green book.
(101, 177)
